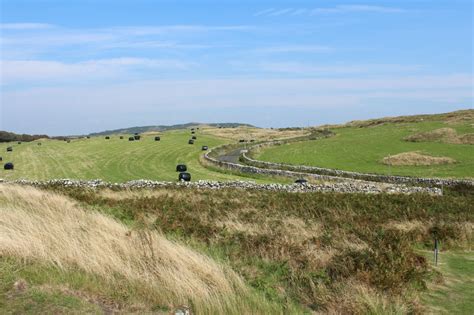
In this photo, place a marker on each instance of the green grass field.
(362, 149)
(113, 160)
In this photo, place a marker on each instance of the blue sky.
(72, 67)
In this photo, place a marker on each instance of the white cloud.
(293, 49)
(28, 40)
(24, 26)
(368, 8)
(63, 110)
(264, 12)
(43, 71)
(328, 10)
(219, 94)
(327, 70)
(280, 12)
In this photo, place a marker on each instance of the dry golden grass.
(368, 301)
(139, 193)
(444, 135)
(408, 226)
(51, 228)
(258, 134)
(468, 138)
(416, 159)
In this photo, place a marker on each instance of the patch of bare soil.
(444, 135)
(416, 159)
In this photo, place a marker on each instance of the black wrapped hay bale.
(181, 168)
(19, 142)
(193, 137)
(241, 140)
(301, 181)
(191, 141)
(131, 139)
(1, 159)
(184, 177)
(10, 149)
(8, 166)
(136, 137)
(157, 138)
(193, 132)
(121, 137)
(205, 147)
(107, 138)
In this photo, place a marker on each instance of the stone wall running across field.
(343, 187)
(331, 173)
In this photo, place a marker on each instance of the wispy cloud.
(238, 99)
(369, 8)
(44, 72)
(274, 12)
(329, 70)
(280, 12)
(24, 26)
(28, 40)
(293, 49)
(264, 12)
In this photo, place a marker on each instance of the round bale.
(137, 137)
(121, 137)
(205, 147)
(107, 138)
(131, 139)
(184, 177)
(301, 181)
(181, 168)
(8, 166)
(10, 149)
(157, 138)
(193, 137)
(191, 141)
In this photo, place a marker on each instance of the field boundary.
(340, 187)
(394, 179)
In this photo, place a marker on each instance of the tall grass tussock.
(47, 227)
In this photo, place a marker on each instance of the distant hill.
(143, 129)
(6, 136)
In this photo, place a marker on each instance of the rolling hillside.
(383, 145)
(162, 128)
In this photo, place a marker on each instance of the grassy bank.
(363, 149)
(324, 252)
(57, 257)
